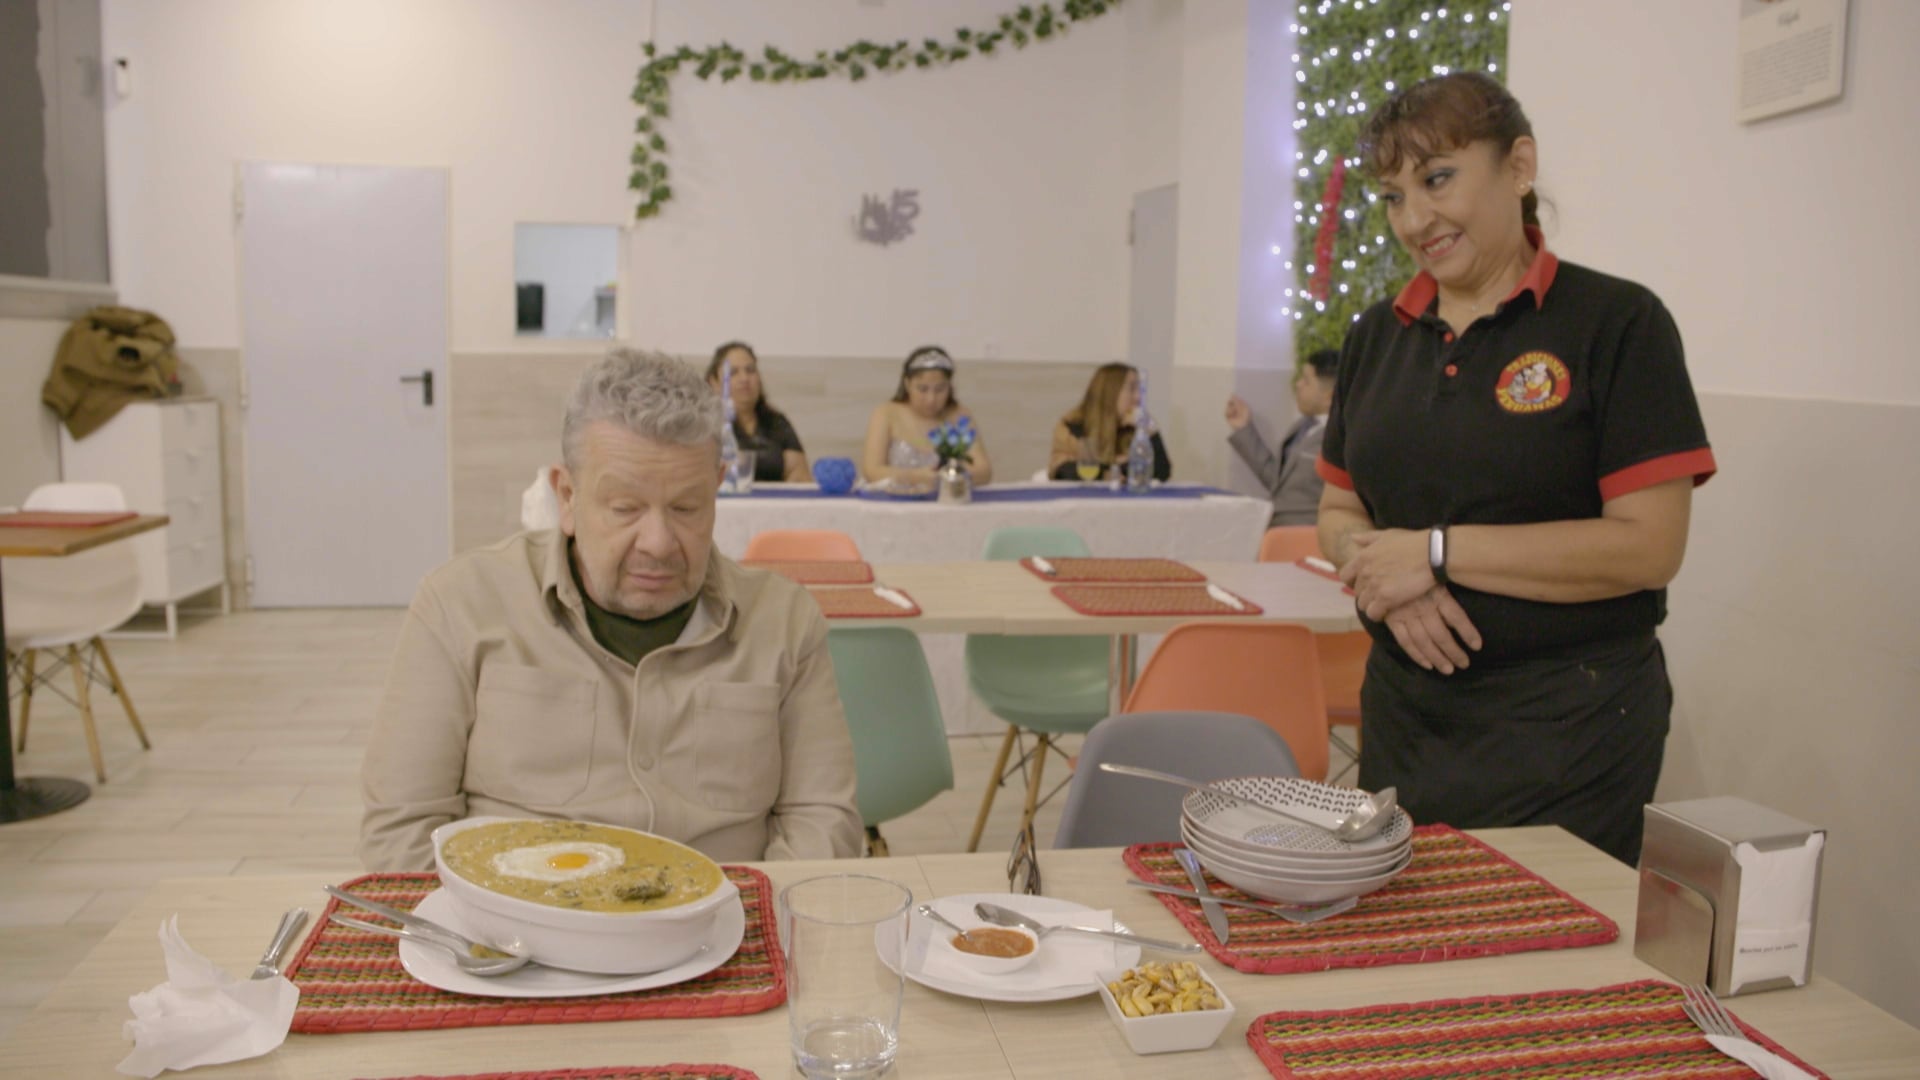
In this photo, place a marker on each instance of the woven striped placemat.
(1149, 600)
(609, 1073)
(1634, 1031)
(861, 603)
(818, 573)
(1458, 898)
(351, 980)
(1066, 570)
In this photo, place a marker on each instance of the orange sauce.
(989, 942)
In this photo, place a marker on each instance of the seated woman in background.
(1091, 441)
(757, 425)
(898, 448)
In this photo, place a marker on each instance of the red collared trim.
(1333, 474)
(1414, 300)
(1698, 464)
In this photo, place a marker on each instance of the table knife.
(1216, 915)
(283, 938)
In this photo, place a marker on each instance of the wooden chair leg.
(26, 699)
(876, 844)
(993, 785)
(86, 710)
(120, 689)
(1033, 781)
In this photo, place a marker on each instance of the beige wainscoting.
(1792, 647)
(507, 409)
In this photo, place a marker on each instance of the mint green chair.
(900, 755)
(1046, 686)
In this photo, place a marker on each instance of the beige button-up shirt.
(500, 702)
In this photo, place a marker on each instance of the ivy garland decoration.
(1352, 55)
(651, 90)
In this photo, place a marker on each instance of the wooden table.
(25, 798)
(76, 1030)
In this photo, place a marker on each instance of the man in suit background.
(1289, 476)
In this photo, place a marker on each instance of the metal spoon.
(927, 910)
(473, 957)
(464, 958)
(1000, 916)
(1364, 822)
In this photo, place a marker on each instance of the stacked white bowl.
(1266, 856)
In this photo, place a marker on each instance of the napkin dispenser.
(1728, 894)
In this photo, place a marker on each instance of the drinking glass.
(843, 1004)
(743, 464)
(1088, 465)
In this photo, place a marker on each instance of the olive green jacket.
(108, 357)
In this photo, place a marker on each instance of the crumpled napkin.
(1065, 960)
(203, 1016)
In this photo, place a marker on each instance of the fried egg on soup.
(563, 860)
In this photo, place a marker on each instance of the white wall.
(1785, 252)
(1020, 246)
(1784, 248)
(526, 103)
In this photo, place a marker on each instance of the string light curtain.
(1350, 56)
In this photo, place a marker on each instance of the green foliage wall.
(1352, 55)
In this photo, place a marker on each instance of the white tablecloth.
(1217, 528)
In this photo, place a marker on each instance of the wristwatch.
(1437, 553)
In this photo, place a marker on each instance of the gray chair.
(1106, 810)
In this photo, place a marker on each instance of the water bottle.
(729, 445)
(1140, 450)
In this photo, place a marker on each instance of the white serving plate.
(437, 969)
(1292, 870)
(1268, 887)
(986, 987)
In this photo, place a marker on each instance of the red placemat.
(351, 980)
(1148, 600)
(861, 604)
(1110, 570)
(64, 519)
(818, 573)
(1458, 898)
(1330, 575)
(1634, 1031)
(617, 1072)
(611, 1073)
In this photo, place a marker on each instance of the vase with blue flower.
(953, 445)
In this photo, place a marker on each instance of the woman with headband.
(898, 449)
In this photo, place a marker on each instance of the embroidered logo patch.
(1536, 382)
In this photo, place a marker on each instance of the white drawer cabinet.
(165, 456)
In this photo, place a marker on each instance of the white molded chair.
(539, 505)
(60, 607)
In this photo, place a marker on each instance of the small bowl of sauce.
(994, 950)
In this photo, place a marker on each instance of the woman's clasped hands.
(1394, 584)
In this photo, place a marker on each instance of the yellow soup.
(574, 864)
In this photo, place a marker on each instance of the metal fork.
(1712, 1018)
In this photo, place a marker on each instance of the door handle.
(425, 379)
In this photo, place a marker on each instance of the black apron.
(1574, 741)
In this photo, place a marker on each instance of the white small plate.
(435, 968)
(920, 936)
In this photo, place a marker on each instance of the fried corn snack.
(1156, 989)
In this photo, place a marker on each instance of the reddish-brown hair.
(1442, 114)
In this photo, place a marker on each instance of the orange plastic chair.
(1343, 657)
(1290, 543)
(802, 545)
(1269, 671)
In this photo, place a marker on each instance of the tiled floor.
(258, 722)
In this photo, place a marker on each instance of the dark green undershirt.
(625, 637)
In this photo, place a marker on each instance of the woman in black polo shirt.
(757, 425)
(1510, 463)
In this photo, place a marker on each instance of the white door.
(1150, 292)
(343, 324)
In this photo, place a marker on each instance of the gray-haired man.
(617, 669)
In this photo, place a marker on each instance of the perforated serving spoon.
(1365, 821)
